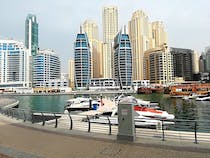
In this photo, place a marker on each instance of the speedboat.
(144, 108)
(153, 113)
(81, 103)
(203, 98)
(191, 96)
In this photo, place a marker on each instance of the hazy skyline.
(186, 22)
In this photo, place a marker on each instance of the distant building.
(110, 29)
(14, 65)
(31, 34)
(140, 83)
(46, 69)
(91, 28)
(195, 62)
(158, 67)
(71, 73)
(207, 57)
(139, 36)
(82, 61)
(202, 63)
(103, 84)
(182, 63)
(123, 60)
(144, 35)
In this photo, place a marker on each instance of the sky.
(187, 22)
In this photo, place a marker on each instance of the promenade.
(20, 139)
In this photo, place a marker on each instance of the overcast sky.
(186, 21)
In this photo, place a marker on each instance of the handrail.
(24, 115)
(71, 122)
(88, 120)
(43, 119)
(177, 125)
(163, 132)
(56, 121)
(195, 128)
(110, 126)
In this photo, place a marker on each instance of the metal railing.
(190, 130)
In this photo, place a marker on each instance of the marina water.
(182, 109)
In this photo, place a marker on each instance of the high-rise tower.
(91, 28)
(110, 29)
(82, 61)
(123, 60)
(139, 37)
(31, 34)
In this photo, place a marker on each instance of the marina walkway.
(26, 140)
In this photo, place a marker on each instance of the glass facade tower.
(31, 34)
(123, 60)
(82, 61)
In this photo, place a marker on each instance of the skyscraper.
(110, 29)
(91, 28)
(123, 60)
(82, 61)
(31, 34)
(139, 36)
(159, 35)
(14, 65)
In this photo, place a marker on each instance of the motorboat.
(191, 96)
(81, 104)
(153, 105)
(203, 98)
(153, 113)
(140, 121)
(148, 104)
(144, 108)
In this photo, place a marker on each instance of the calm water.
(182, 109)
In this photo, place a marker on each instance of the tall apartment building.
(182, 63)
(47, 67)
(139, 36)
(123, 60)
(31, 34)
(158, 66)
(14, 65)
(110, 29)
(159, 35)
(91, 28)
(82, 61)
(144, 35)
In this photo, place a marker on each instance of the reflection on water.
(53, 103)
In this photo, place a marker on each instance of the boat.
(81, 104)
(191, 96)
(203, 98)
(144, 108)
(153, 113)
(139, 120)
